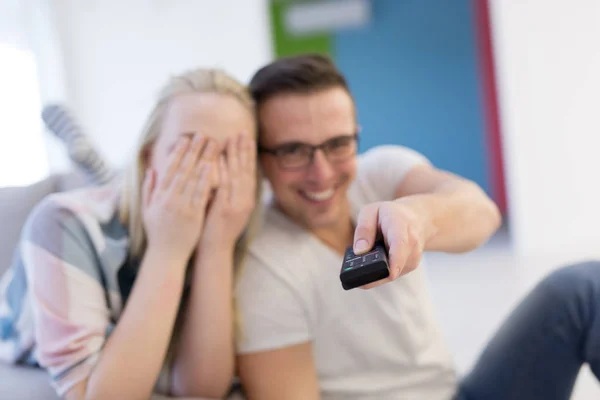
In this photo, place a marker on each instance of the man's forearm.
(204, 361)
(456, 217)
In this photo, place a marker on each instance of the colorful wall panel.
(422, 75)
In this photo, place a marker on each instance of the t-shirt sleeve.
(382, 169)
(70, 314)
(273, 314)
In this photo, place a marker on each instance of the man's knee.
(573, 281)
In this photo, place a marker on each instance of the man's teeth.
(320, 196)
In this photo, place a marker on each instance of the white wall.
(21, 161)
(118, 53)
(548, 58)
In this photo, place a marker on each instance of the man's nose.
(320, 168)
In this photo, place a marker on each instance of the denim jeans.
(539, 350)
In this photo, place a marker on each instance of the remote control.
(366, 268)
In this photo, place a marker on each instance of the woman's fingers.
(242, 173)
(248, 155)
(236, 169)
(202, 189)
(193, 180)
(174, 161)
(187, 164)
(207, 156)
(224, 191)
(252, 157)
(250, 178)
(210, 151)
(233, 155)
(148, 187)
(244, 157)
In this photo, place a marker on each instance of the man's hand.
(434, 210)
(403, 231)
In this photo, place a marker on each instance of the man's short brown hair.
(304, 73)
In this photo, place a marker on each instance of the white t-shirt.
(382, 343)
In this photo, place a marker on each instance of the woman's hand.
(174, 201)
(230, 210)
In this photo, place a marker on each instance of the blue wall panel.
(414, 73)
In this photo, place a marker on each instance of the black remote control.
(366, 268)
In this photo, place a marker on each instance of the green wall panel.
(287, 44)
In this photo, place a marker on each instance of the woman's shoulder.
(97, 203)
(83, 213)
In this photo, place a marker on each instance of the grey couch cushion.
(23, 383)
(17, 202)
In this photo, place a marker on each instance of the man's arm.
(287, 373)
(457, 214)
(434, 210)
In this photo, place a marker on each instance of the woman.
(127, 288)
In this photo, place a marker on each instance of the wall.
(21, 161)
(548, 58)
(416, 77)
(286, 43)
(117, 54)
(414, 73)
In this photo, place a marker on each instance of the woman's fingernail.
(215, 148)
(183, 142)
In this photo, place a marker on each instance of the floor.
(493, 276)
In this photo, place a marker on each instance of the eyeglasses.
(297, 155)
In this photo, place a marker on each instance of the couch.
(17, 382)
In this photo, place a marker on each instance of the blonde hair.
(130, 211)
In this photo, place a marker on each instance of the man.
(306, 338)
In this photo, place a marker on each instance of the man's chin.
(314, 219)
(322, 221)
